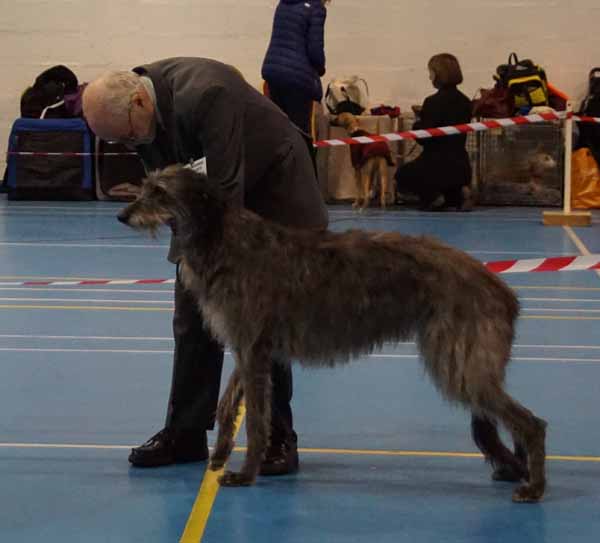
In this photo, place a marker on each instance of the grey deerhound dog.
(271, 292)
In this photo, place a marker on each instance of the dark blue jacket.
(296, 57)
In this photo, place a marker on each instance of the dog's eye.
(157, 190)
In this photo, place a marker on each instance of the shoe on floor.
(438, 204)
(281, 459)
(163, 449)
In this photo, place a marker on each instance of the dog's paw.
(235, 478)
(528, 494)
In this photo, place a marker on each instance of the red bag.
(383, 109)
(497, 102)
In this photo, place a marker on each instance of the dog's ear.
(183, 182)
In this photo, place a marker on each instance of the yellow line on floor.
(196, 523)
(434, 454)
(307, 450)
(198, 519)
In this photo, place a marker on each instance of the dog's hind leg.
(383, 182)
(507, 466)
(226, 415)
(256, 382)
(359, 188)
(366, 175)
(526, 429)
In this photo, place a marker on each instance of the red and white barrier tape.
(393, 136)
(552, 264)
(87, 282)
(454, 130)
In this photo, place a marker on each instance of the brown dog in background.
(323, 298)
(368, 160)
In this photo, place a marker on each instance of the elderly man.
(201, 112)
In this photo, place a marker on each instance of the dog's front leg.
(226, 415)
(384, 182)
(359, 188)
(366, 185)
(256, 382)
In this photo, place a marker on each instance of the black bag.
(47, 94)
(119, 176)
(589, 133)
(590, 105)
(526, 81)
(37, 175)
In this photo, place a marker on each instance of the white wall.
(386, 41)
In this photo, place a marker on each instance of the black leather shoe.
(281, 459)
(163, 449)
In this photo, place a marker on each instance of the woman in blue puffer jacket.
(295, 59)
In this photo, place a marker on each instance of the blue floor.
(86, 374)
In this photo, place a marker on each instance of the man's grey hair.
(119, 87)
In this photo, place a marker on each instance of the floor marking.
(578, 243)
(85, 308)
(114, 351)
(78, 338)
(79, 245)
(515, 359)
(170, 339)
(307, 450)
(196, 523)
(170, 309)
(540, 287)
(87, 300)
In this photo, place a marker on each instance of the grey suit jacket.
(252, 149)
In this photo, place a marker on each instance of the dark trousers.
(198, 357)
(431, 175)
(197, 365)
(298, 107)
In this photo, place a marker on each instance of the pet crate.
(521, 165)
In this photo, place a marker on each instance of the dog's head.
(177, 197)
(347, 121)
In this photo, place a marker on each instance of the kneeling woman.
(441, 175)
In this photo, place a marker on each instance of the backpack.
(526, 81)
(589, 133)
(46, 97)
(591, 103)
(347, 95)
